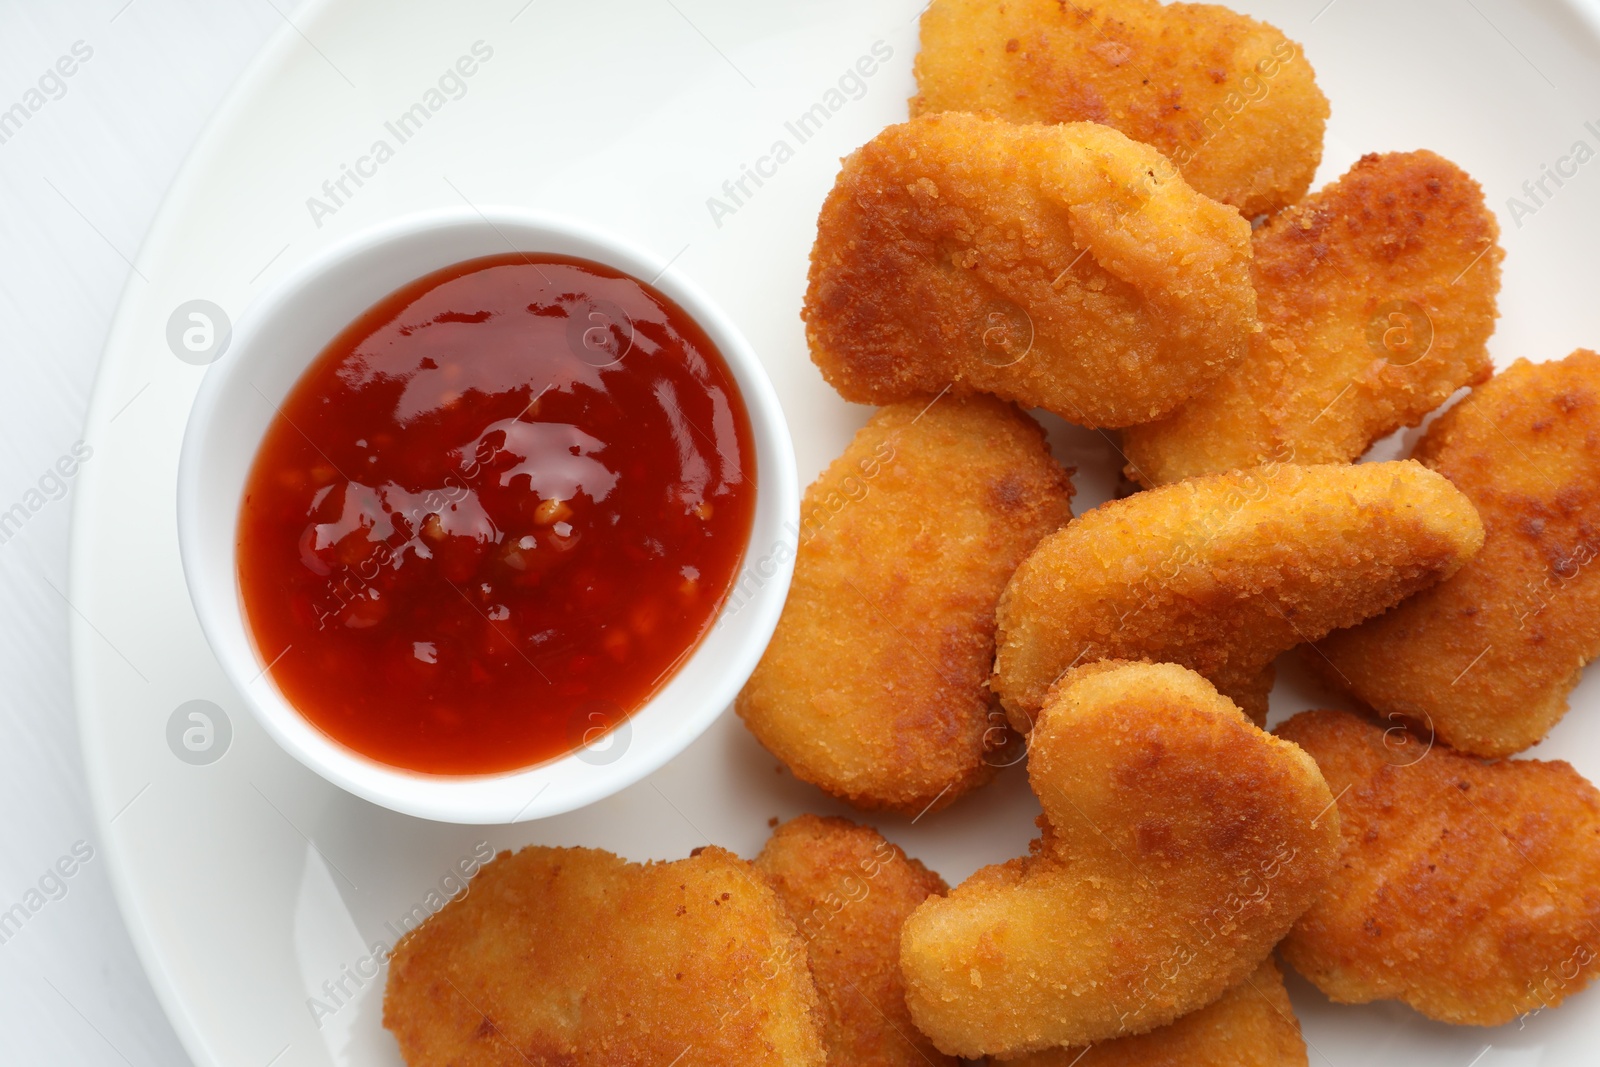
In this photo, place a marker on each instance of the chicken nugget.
(849, 891)
(1063, 267)
(1180, 843)
(1223, 573)
(1486, 659)
(1232, 101)
(1377, 299)
(874, 687)
(1252, 1025)
(572, 955)
(1468, 889)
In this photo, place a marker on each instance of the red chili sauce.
(496, 514)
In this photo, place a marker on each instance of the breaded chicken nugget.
(572, 955)
(849, 891)
(1488, 657)
(1230, 100)
(1063, 267)
(1376, 298)
(875, 684)
(1253, 1025)
(1223, 573)
(1470, 890)
(1180, 844)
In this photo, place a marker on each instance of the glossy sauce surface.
(496, 514)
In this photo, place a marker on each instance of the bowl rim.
(483, 798)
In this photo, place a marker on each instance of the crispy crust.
(572, 955)
(849, 891)
(1180, 843)
(1401, 248)
(874, 686)
(1489, 657)
(1469, 890)
(1252, 1025)
(1229, 99)
(1063, 267)
(1223, 573)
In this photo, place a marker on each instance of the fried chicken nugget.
(1180, 843)
(1253, 1025)
(1223, 573)
(850, 891)
(1230, 100)
(1063, 267)
(572, 955)
(1470, 890)
(874, 685)
(1377, 299)
(1487, 658)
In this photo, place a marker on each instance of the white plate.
(248, 882)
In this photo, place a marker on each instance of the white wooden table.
(80, 180)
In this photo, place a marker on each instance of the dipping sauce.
(495, 515)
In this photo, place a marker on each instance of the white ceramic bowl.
(272, 345)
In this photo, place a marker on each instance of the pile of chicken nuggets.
(1104, 212)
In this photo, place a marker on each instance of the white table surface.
(79, 185)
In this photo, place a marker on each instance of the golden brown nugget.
(1230, 100)
(1252, 1025)
(1223, 573)
(1377, 299)
(874, 687)
(1488, 657)
(849, 891)
(572, 955)
(1470, 890)
(1062, 267)
(1180, 844)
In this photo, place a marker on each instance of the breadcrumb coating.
(1229, 99)
(1486, 659)
(1063, 267)
(1377, 297)
(1223, 573)
(1180, 843)
(1468, 889)
(874, 686)
(1252, 1025)
(849, 891)
(573, 955)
